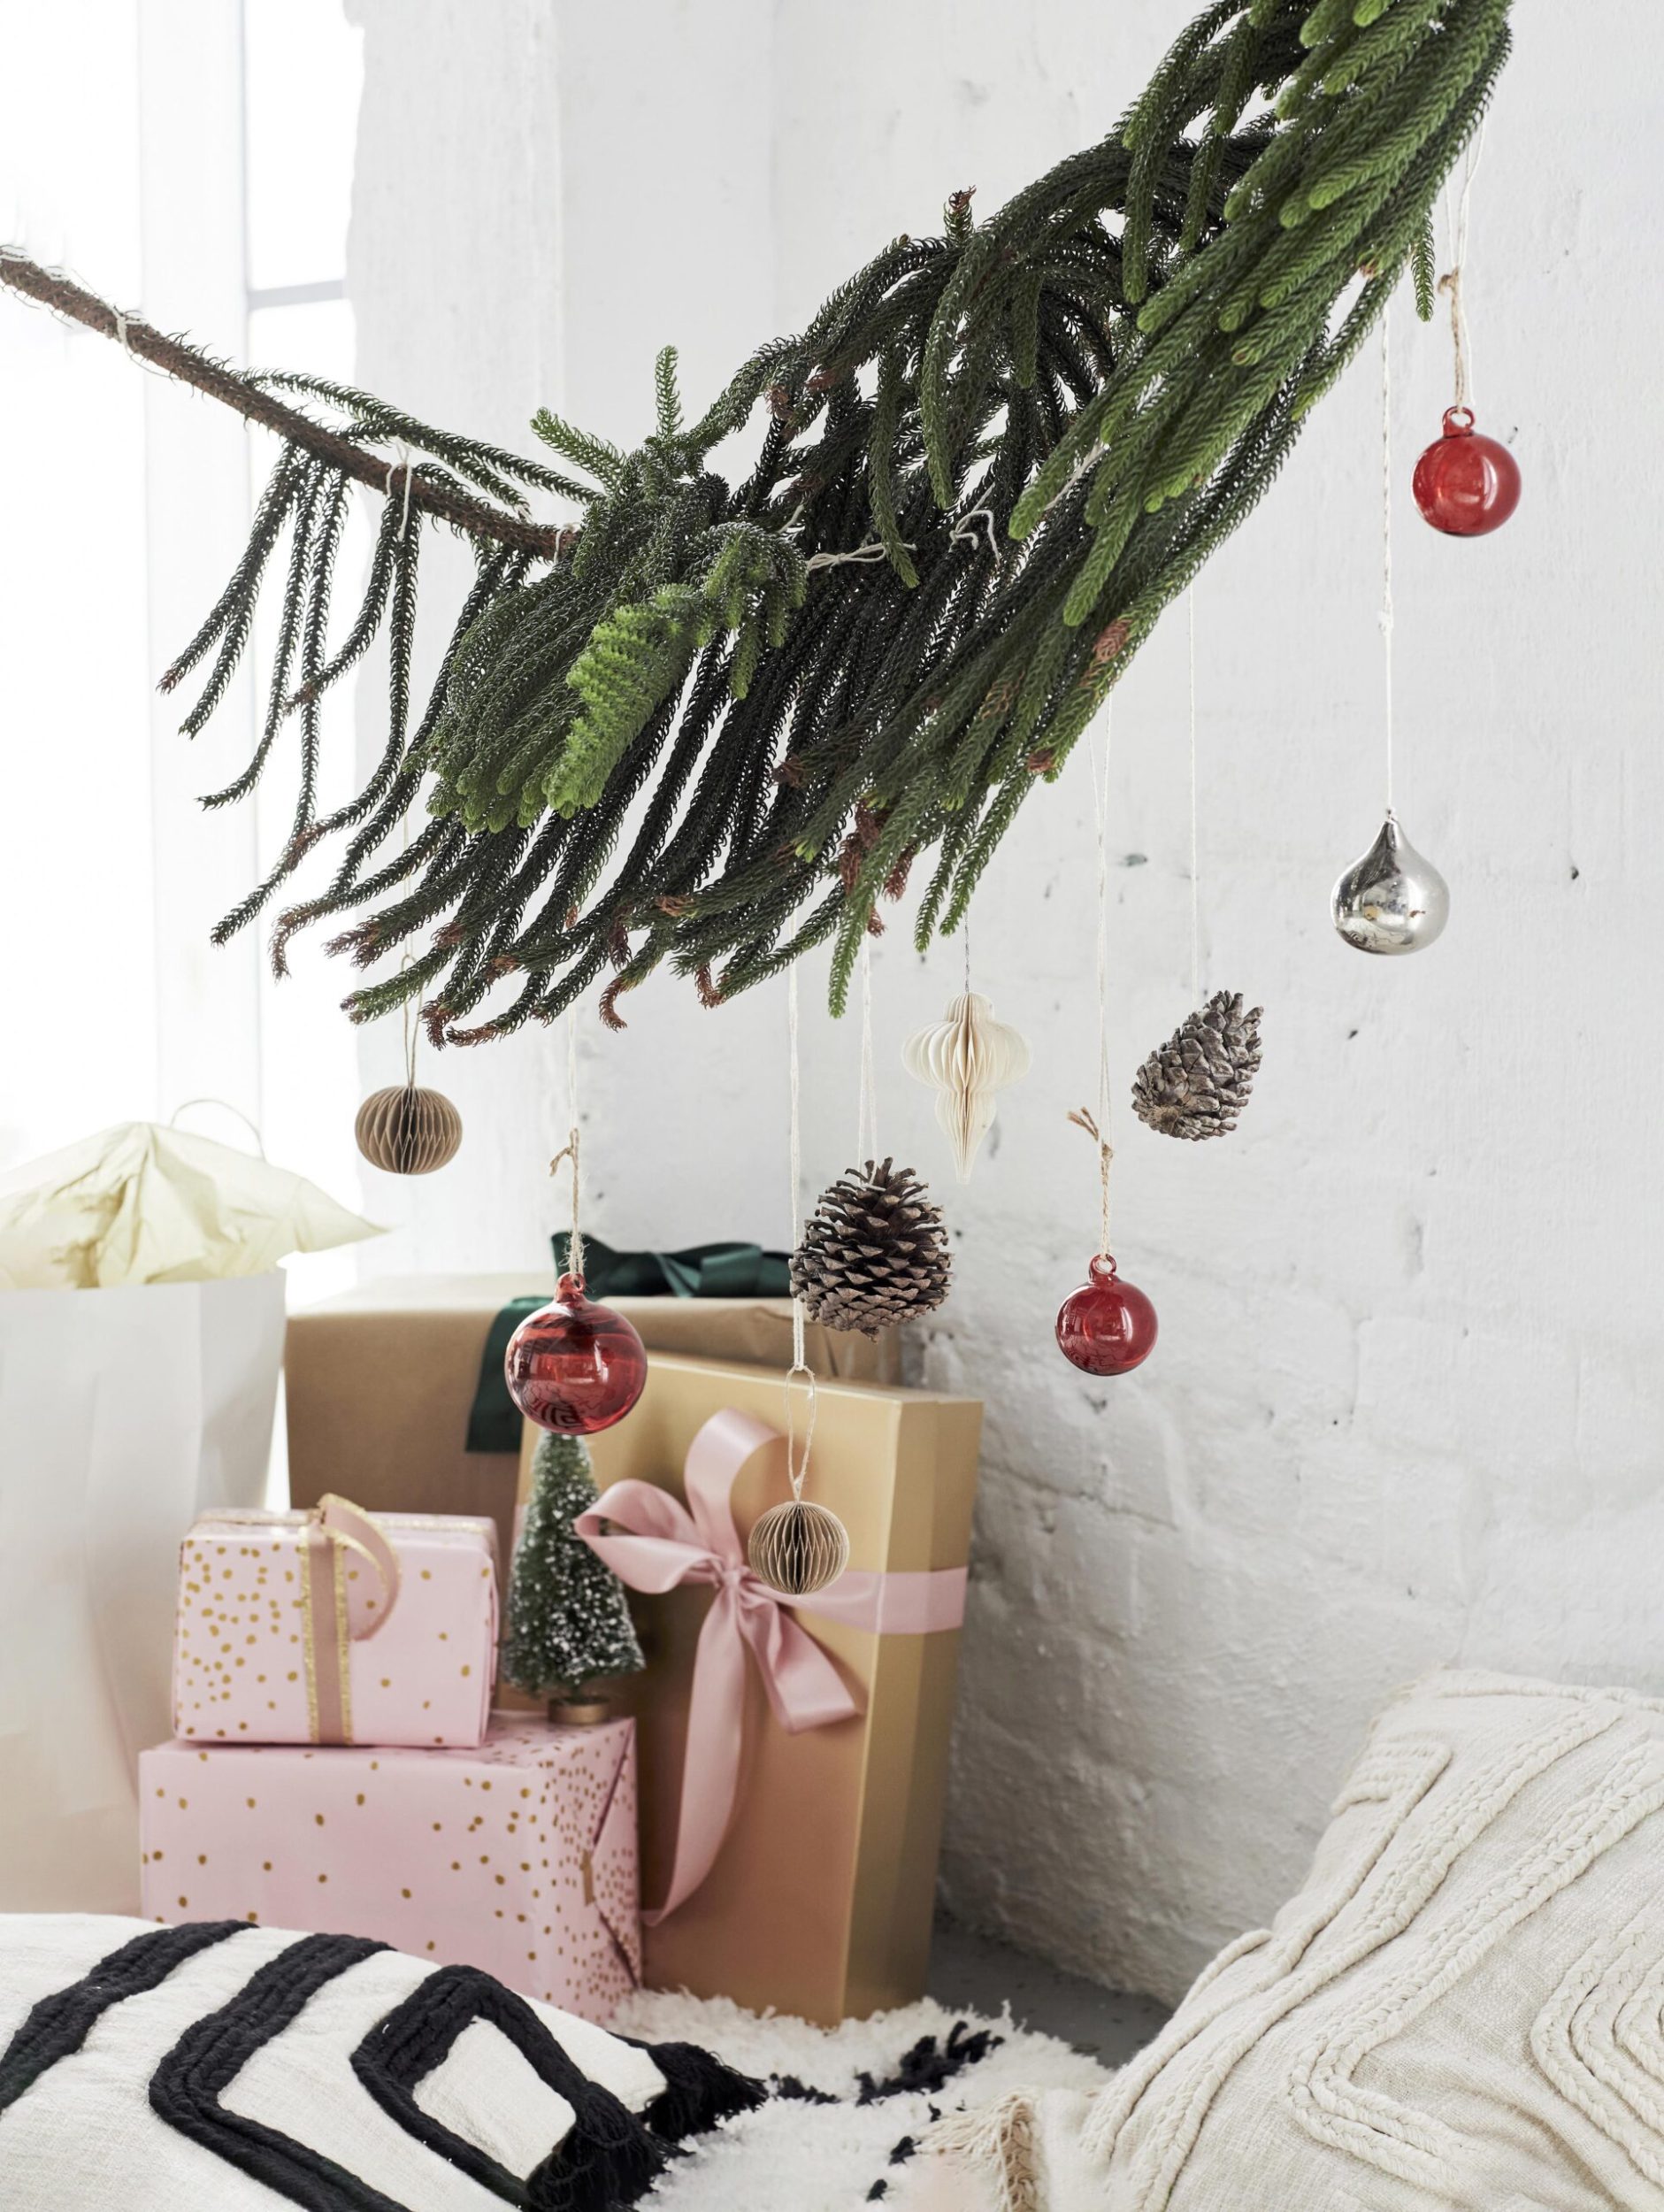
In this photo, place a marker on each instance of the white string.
(248, 1120)
(873, 550)
(403, 460)
(1195, 867)
(1100, 810)
(1387, 544)
(964, 532)
(568, 1151)
(796, 1466)
(1097, 1128)
(867, 1103)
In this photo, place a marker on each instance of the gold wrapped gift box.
(820, 1900)
(379, 1382)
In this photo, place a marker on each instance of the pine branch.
(445, 501)
(980, 475)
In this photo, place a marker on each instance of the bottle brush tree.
(569, 1622)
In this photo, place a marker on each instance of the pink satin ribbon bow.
(654, 1542)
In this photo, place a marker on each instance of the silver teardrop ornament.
(1392, 900)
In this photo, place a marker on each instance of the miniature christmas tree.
(569, 1623)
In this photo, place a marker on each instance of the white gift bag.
(123, 1413)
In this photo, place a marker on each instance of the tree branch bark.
(480, 517)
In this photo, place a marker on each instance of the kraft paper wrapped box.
(379, 1382)
(517, 1857)
(335, 1627)
(818, 1899)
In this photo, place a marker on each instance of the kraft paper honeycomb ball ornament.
(408, 1130)
(798, 1548)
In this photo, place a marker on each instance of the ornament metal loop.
(1458, 421)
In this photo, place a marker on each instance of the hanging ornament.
(406, 1130)
(968, 1058)
(1197, 1084)
(873, 1253)
(574, 1366)
(798, 1548)
(1106, 1327)
(1392, 900)
(1465, 483)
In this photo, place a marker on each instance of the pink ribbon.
(655, 1543)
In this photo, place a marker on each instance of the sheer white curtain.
(190, 159)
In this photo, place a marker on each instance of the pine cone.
(875, 1251)
(1198, 1082)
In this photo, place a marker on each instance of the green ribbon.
(699, 1270)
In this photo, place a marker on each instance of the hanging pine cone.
(874, 1251)
(1198, 1082)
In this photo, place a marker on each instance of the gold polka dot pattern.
(242, 1648)
(518, 1857)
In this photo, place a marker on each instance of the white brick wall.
(1405, 1408)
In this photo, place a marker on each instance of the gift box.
(335, 1626)
(381, 1382)
(793, 1757)
(517, 1857)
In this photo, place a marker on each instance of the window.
(205, 185)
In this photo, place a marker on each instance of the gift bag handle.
(248, 1120)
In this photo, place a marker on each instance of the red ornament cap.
(1466, 484)
(1106, 1327)
(575, 1366)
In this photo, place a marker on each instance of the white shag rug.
(875, 2088)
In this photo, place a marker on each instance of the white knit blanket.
(1462, 2008)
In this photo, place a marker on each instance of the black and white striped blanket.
(236, 2068)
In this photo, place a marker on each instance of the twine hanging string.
(410, 1039)
(1386, 546)
(1097, 1125)
(570, 1150)
(1195, 862)
(871, 550)
(867, 1101)
(796, 1463)
(964, 530)
(1450, 283)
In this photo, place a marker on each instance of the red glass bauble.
(1465, 483)
(1106, 1326)
(575, 1366)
